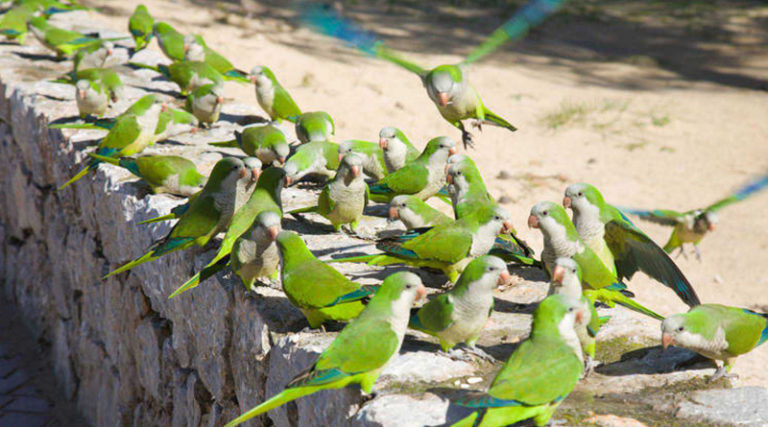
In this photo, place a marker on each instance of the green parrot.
(266, 197)
(171, 42)
(692, 226)
(105, 77)
(362, 349)
(140, 25)
(622, 246)
(459, 315)
(398, 150)
(138, 108)
(423, 177)
(164, 174)
(267, 142)
(373, 157)
(131, 134)
(318, 157)
(13, 24)
(317, 289)
(415, 213)
(566, 280)
(210, 213)
(562, 240)
(196, 50)
(467, 189)
(91, 97)
(188, 75)
(93, 56)
(205, 103)
(717, 332)
(314, 126)
(272, 96)
(538, 375)
(447, 247)
(174, 121)
(63, 42)
(343, 197)
(255, 254)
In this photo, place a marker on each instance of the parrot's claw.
(589, 366)
(466, 138)
(722, 372)
(697, 252)
(480, 353)
(477, 124)
(456, 354)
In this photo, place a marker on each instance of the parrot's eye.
(545, 213)
(498, 217)
(571, 309)
(458, 173)
(573, 270)
(681, 329)
(580, 194)
(408, 286)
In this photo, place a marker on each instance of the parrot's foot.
(447, 285)
(722, 372)
(589, 366)
(480, 353)
(477, 124)
(681, 252)
(466, 138)
(697, 252)
(456, 354)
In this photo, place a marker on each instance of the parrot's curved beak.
(507, 227)
(580, 316)
(81, 93)
(558, 274)
(186, 47)
(341, 157)
(667, 340)
(504, 278)
(287, 181)
(164, 107)
(711, 227)
(566, 202)
(355, 171)
(219, 99)
(443, 98)
(273, 232)
(421, 291)
(533, 222)
(453, 150)
(281, 159)
(255, 173)
(383, 143)
(393, 213)
(449, 178)
(110, 52)
(243, 172)
(254, 80)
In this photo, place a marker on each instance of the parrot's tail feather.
(145, 66)
(204, 274)
(168, 217)
(356, 295)
(110, 160)
(147, 257)
(278, 400)
(77, 177)
(189, 284)
(493, 119)
(231, 143)
(73, 126)
(237, 76)
(633, 305)
(304, 210)
(361, 258)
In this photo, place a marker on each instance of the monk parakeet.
(692, 226)
(266, 197)
(318, 157)
(164, 174)
(13, 24)
(140, 107)
(188, 75)
(344, 197)
(562, 240)
(205, 103)
(361, 350)
(63, 42)
(272, 96)
(196, 49)
(447, 85)
(415, 213)
(317, 289)
(566, 280)
(458, 316)
(93, 56)
(140, 25)
(210, 213)
(174, 121)
(717, 332)
(467, 189)
(91, 97)
(105, 77)
(423, 177)
(171, 42)
(622, 246)
(255, 254)
(267, 142)
(373, 157)
(538, 375)
(314, 126)
(448, 247)
(397, 149)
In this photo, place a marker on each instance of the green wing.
(156, 169)
(315, 284)
(633, 251)
(449, 244)
(437, 314)
(390, 55)
(199, 221)
(594, 273)
(362, 346)
(325, 204)
(283, 104)
(657, 216)
(540, 371)
(740, 194)
(410, 179)
(126, 130)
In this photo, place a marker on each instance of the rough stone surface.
(747, 406)
(129, 355)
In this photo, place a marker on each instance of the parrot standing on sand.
(343, 197)
(458, 316)
(424, 177)
(362, 349)
(318, 157)
(562, 240)
(314, 126)
(538, 375)
(717, 332)
(415, 213)
(272, 96)
(692, 226)
(196, 49)
(267, 142)
(63, 42)
(622, 246)
(467, 189)
(140, 25)
(164, 174)
(317, 289)
(373, 157)
(398, 150)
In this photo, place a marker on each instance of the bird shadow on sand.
(168, 92)
(655, 360)
(506, 306)
(242, 119)
(38, 57)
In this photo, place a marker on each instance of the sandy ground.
(654, 117)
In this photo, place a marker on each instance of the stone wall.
(130, 356)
